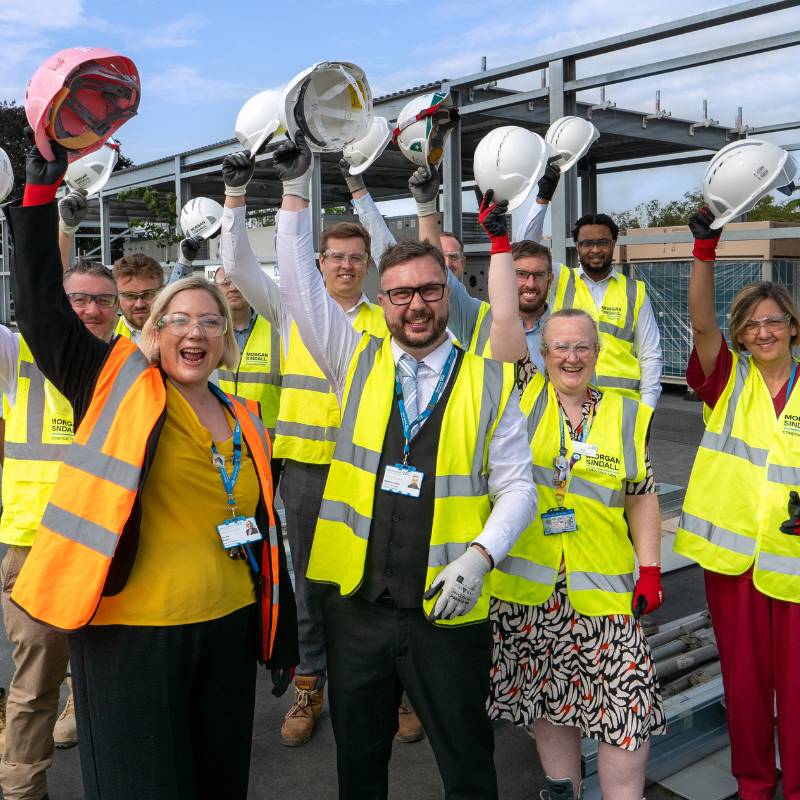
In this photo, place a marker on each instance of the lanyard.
(562, 466)
(229, 481)
(437, 393)
(791, 382)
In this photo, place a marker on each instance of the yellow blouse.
(181, 573)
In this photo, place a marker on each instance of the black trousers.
(166, 713)
(374, 653)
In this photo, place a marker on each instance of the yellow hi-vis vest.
(738, 492)
(122, 328)
(618, 365)
(258, 375)
(308, 416)
(480, 343)
(39, 429)
(461, 506)
(598, 557)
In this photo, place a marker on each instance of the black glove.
(237, 172)
(189, 249)
(548, 183)
(705, 239)
(355, 183)
(492, 217)
(282, 678)
(43, 177)
(292, 161)
(72, 211)
(424, 187)
(792, 525)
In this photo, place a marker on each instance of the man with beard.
(533, 266)
(428, 488)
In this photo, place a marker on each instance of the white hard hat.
(362, 153)
(331, 102)
(6, 175)
(90, 173)
(571, 138)
(741, 173)
(258, 120)
(510, 160)
(201, 216)
(418, 133)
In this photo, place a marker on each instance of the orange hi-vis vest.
(61, 583)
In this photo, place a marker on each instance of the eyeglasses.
(148, 295)
(82, 299)
(212, 326)
(523, 275)
(403, 295)
(356, 259)
(225, 284)
(601, 244)
(580, 350)
(772, 324)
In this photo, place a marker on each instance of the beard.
(597, 273)
(421, 340)
(532, 306)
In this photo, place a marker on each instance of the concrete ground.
(309, 773)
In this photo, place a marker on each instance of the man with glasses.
(139, 280)
(533, 265)
(39, 427)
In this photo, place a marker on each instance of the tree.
(13, 140)
(162, 227)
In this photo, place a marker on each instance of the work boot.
(409, 728)
(3, 697)
(560, 789)
(65, 731)
(302, 716)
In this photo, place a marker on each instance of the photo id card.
(401, 479)
(237, 531)
(584, 449)
(559, 520)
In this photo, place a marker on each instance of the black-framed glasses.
(83, 299)
(148, 295)
(523, 275)
(602, 244)
(403, 295)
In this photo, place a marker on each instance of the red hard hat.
(79, 97)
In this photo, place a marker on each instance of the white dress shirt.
(646, 336)
(332, 342)
(9, 356)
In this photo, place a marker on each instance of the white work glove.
(355, 183)
(237, 172)
(72, 211)
(292, 161)
(424, 187)
(460, 583)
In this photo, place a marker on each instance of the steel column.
(316, 200)
(6, 271)
(105, 230)
(451, 179)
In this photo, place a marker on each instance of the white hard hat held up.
(571, 138)
(510, 160)
(6, 175)
(90, 173)
(364, 152)
(420, 133)
(201, 216)
(331, 102)
(743, 172)
(259, 120)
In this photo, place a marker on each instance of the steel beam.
(316, 200)
(451, 180)
(669, 162)
(720, 16)
(502, 102)
(780, 126)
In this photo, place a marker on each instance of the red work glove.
(705, 239)
(43, 177)
(792, 525)
(647, 594)
(492, 217)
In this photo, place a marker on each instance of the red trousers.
(759, 649)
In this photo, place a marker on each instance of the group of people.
(469, 499)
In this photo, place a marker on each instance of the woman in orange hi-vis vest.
(158, 552)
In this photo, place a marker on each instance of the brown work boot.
(409, 728)
(3, 698)
(65, 731)
(302, 716)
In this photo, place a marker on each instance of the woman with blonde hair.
(741, 516)
(144, 555)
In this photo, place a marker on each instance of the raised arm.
(187, 253)
(71, 212)
(424, 186)
(702, 311)
(323, 325)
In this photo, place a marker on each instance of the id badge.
(402, 479)
(584, 449)
(238, 531)
(559, 520)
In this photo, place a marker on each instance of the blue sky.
(200, 61)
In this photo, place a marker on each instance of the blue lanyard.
(229, 481)
(562, 466)
(437, 393)
(791, 382)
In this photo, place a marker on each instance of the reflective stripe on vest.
(39, 429)
(258, 374)
(308, 416)
(62, 581)
(617, 366)
(461, 504)
(738, 492)
(479, 343)
(598, 557)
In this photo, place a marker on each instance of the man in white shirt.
(379, 639)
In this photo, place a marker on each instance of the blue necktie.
(407, 372)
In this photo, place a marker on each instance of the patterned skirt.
(592, 673)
